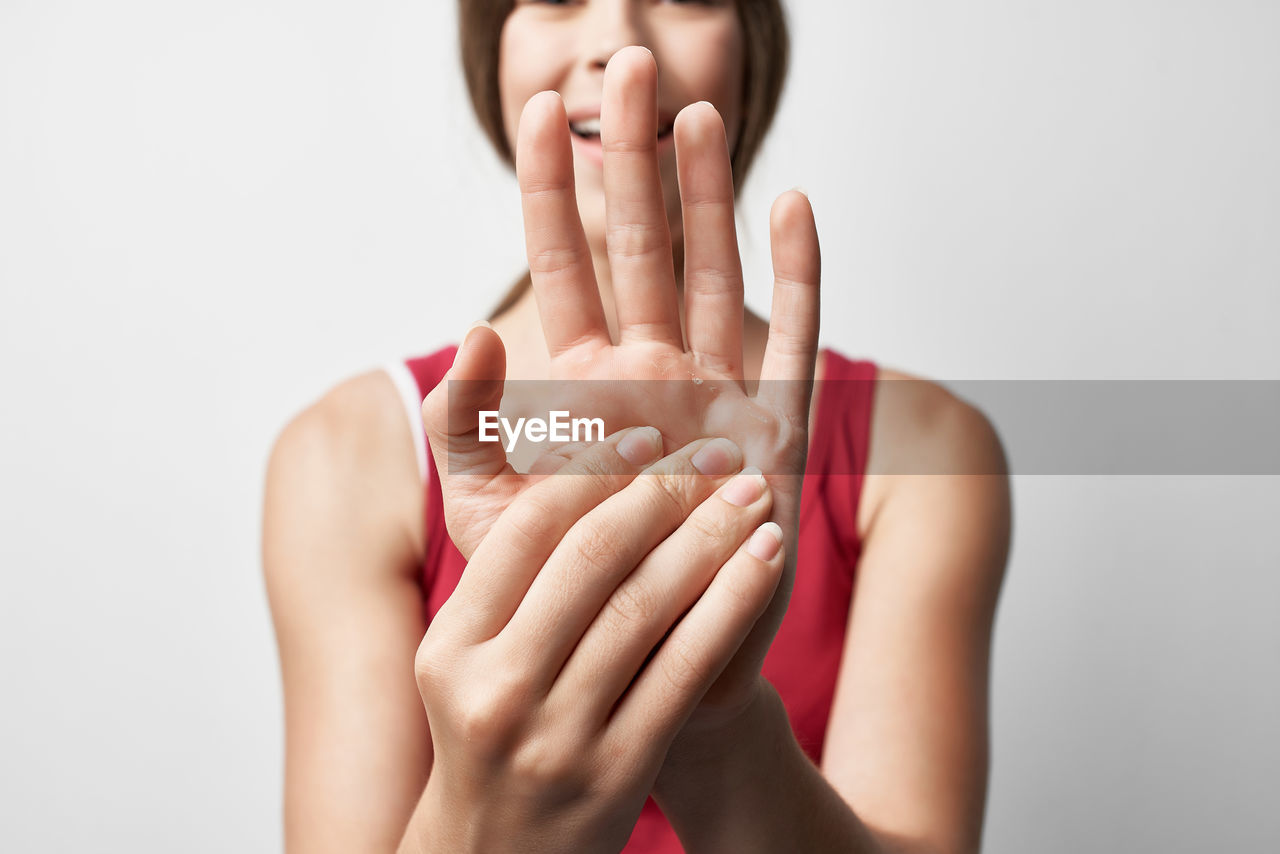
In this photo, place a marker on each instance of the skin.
(564, 48)
(549, 724)
(906, 754)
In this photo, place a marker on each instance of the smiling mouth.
(589, 129)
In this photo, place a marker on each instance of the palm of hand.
(654, 384)
(666, 387)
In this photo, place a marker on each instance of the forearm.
(755, 790)
(440, 825)
(418, 838)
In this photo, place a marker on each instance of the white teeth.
(591, 127)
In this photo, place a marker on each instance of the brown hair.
(767, 52)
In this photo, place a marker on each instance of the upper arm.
(342, 541)
(907, 745)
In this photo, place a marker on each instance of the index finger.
(564, 281)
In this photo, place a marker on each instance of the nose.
(613, 25)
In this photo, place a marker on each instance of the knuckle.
(534, 187)
(538, 759)
(483, 725)
(491, 713)
(683, 670)
(512, 687)
(638, 143)
(550, 768)
(787, 344)
(599, 472)
(637, 239)
(530, 520)
(743, 597)
(649, 329)
(633, 604)
(675, 493)
(596, 548)
(437, 658)
(789, 282)
(715, 281)
(555, 260)
(706, 200)
(427, 667)
(711, 527)
(748, 592)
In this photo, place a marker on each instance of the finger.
(557, 458)
(701, 645)
(651, 600)
(787, 371)
(712, 265)
(637, 234)
(564, 281)
(470, 472)
(532, 526)
(451, 411)
(605, 545)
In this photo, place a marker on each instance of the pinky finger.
(792, 349)
(701, 645)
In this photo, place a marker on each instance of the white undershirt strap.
(405, 383)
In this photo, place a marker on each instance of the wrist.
(716, 785)
(710, 756)
(430, 829)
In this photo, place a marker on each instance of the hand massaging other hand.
(549, 720)
(771, 427)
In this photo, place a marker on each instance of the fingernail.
(766, 541)
(718, 457)
(642, 445)
(745, 489)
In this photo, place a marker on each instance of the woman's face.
(565, 46)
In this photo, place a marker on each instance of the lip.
(593, 149)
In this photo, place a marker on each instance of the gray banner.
(1056, 427)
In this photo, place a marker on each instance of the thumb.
(451, 412)
(451, 416)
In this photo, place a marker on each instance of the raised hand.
(698, 386)
(549, 720)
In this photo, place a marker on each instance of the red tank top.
(805, 657)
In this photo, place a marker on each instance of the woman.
(889, 716)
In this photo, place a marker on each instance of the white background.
(211, 212)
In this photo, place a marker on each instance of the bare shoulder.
(926, 441)
(344, 470)
(917, 423)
